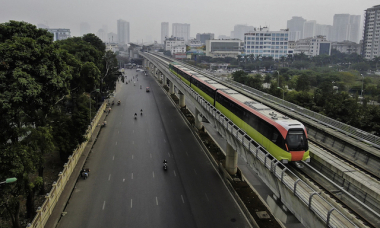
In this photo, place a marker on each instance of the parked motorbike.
(85, 173)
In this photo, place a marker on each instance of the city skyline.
(210, 18)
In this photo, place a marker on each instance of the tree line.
(46, 90)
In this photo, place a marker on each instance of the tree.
(95, 42)
(303, 83)
(33, 78)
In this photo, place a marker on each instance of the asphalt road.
(128, 187)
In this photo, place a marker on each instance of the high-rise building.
(346, 27)
(323, 30)
(309, 28)
(341, 27)
(371, 37)
(181, 30)
(295, 26)
(239, 31)
(102, 35)
(267, 43)
(164, 31)
(123, 32)
(202, 37)
(354, 35)
(84, 28)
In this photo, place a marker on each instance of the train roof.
(271, 114)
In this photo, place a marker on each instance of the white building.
(309, 28)
(112, 47)
(347, 47)
(240, 30)
(164, 31)
(295, 26)
(194, 43)
(371, 37)
(224, 48)
(181, 30)
(60, 34)
(346, 27)
(123, 32)
(175, 45)
(102, 35)
(313, 46)
(267, 43)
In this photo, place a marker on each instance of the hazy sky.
(145, 16)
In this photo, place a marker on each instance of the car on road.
(147, 89)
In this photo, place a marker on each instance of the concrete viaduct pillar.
(231, 160)
(198, 123)
(171, 87)
(181, 99)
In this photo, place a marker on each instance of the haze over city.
(204, 16)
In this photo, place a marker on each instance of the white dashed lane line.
(175, 173)
(104, 204)
(109, 177)
(156, 201)
(132, 176)
(183, 201)
(207, 197)
(131, 203)
(153, 174)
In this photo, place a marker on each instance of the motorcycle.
(118, 103)
(85, 173)
(165, 167)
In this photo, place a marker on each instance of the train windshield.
(296, 140)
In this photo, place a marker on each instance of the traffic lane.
(199, 177)
(204, 187)
(174, 215)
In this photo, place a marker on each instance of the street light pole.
(362, 85)
(282, 92)
(278, 78)
(96, 90)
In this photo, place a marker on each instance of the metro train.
(284, 138)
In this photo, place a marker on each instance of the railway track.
(336, 190)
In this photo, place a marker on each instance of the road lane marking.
(161, 129)
(175, 173)
(169, 155)
(183, 201)
(116, 143)
(195, 171)
(156, 201)
(187, 153)
(132, 176)
(148, 141)
(118, 132)
(150, 155)
(109, 177)
(153, 174)
(123, 180)
(133, 142)
(131, 203)
(113, 157)
(207, 197)
(132, 156)
(133, 131)
(104, 204)
(164, 140)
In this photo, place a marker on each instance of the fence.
(44, 212)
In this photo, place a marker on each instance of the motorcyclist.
(118, 103)
(165, 162)
(135, 115)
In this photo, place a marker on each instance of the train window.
(296, 140)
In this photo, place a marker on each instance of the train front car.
(296, 142)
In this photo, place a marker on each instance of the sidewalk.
(66, 193)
